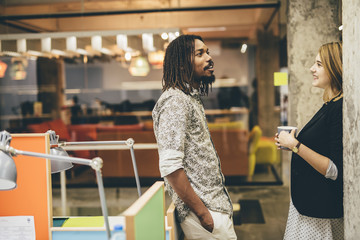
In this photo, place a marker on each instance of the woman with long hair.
(316, 206)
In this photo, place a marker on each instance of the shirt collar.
(195, 93)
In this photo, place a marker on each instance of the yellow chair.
(254, 139)
(267, 152)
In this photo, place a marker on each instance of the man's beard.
(205, 82)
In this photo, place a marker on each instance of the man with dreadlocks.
(188, 161)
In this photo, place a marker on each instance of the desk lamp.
(8, 173)
(8, 169)
(58, 166)
(101, 145)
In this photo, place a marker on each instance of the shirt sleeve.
(335, 141)
(332, 171)
(171, 133)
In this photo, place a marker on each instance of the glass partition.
(99, 99)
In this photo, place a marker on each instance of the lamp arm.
(135, 170)
(129, 142)
(95, 163)
(90, 143)
(103, 202)
(81, 161)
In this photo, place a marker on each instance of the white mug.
(287, 129)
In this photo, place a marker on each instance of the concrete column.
(311, 23)
(267, 62)
(351, 119)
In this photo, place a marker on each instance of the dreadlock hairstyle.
(178, 67)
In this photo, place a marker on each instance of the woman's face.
(321, 79)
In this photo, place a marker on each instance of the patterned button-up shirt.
(184, 141)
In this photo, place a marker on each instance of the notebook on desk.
(87, 221)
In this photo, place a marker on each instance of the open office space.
(90, 71)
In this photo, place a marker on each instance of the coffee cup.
(287, 129)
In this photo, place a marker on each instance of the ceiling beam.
(241, 19)
(23, 26)
(140, 11)
(237, 18)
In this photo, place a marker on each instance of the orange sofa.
(230, 141)
(231, 146)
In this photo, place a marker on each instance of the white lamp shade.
(59, 166)
(8, 172)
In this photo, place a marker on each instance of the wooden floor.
(273, 199)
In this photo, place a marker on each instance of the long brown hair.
(331, 58)
(178, 67)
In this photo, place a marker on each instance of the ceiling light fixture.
(97, 48)
(122, 42)
(172, 36)
(243, 48)
(156, 59)
(139, 67)
(21, 45)
(164, 36)
(148, 42)
(128, 56)
(71, 44)
(46, 44)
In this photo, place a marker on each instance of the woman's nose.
(312, 68)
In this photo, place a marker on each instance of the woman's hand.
(285, 139)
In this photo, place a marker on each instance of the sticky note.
(97, 221)
(280, 78)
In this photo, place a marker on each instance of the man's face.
(203, 64)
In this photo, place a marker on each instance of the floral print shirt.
(184, 141)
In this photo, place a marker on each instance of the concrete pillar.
(267, 62)
(351, 121)
(311, 23)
